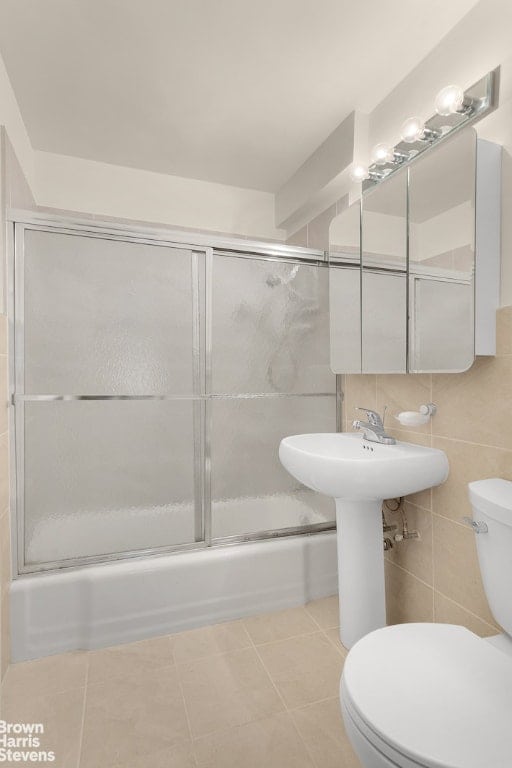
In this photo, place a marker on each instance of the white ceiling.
(239, 92)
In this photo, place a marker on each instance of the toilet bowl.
(437, 695)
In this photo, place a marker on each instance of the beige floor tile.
(334, 637)
(280, 625)
(407, 598)
(321, 728)
(325, 611)
(60, 714)
(181, 756)
(415, 555)
(448, 612)
(269, 743)
(456, 569)
(227, 690)
(304, 669)
(208, 641)
(123, 660)
(52, 674)
(133, 718)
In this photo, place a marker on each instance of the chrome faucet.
(373, 429)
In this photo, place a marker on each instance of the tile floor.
(261, 692)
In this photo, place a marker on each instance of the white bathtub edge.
(130, 600)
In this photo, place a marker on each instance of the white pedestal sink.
(359, 475)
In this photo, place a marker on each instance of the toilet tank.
(491, 501)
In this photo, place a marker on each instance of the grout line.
(471, 613)
(313, 703)
(82, 726)
(312, 617)
(287, 639)
(425, 584)
(343, 651)
(451, 520)
(416, 506)
(211, 655)
(187, 717)
(339, 648)
(281, 698)
(471, 442)
(286, 709)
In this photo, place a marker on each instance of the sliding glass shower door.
(108, 347)
(153, 385)
(270, 355)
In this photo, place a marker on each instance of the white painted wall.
(85, 186)
(479, 43)
(329, 159)
(112, 190)
(10, 117)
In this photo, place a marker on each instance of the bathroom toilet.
(437, 695)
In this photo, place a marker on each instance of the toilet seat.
(431, 696)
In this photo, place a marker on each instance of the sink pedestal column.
(360, 569)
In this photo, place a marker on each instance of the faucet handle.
(373, 417)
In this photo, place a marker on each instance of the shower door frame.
(19, 222)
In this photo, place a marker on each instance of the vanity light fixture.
(359, 173)
(451, 100)
(382, 154)
(414, 130)
(454, 109)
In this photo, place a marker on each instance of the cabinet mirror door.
(384, 277)
(442, 256)
(345, 290)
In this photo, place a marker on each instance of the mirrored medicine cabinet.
(405, 261)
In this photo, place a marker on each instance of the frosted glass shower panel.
(270, 326)
(251, 490)
(107, 316)
(104, 477)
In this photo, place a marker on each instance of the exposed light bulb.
(412, 130)
(449, 100)
(359, 173)
(382, 154)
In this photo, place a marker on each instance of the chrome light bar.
(478, 100)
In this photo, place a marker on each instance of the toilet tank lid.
(493, 497)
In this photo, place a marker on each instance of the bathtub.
(124, 601)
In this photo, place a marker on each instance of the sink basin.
(343, 465)
(359, 475)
